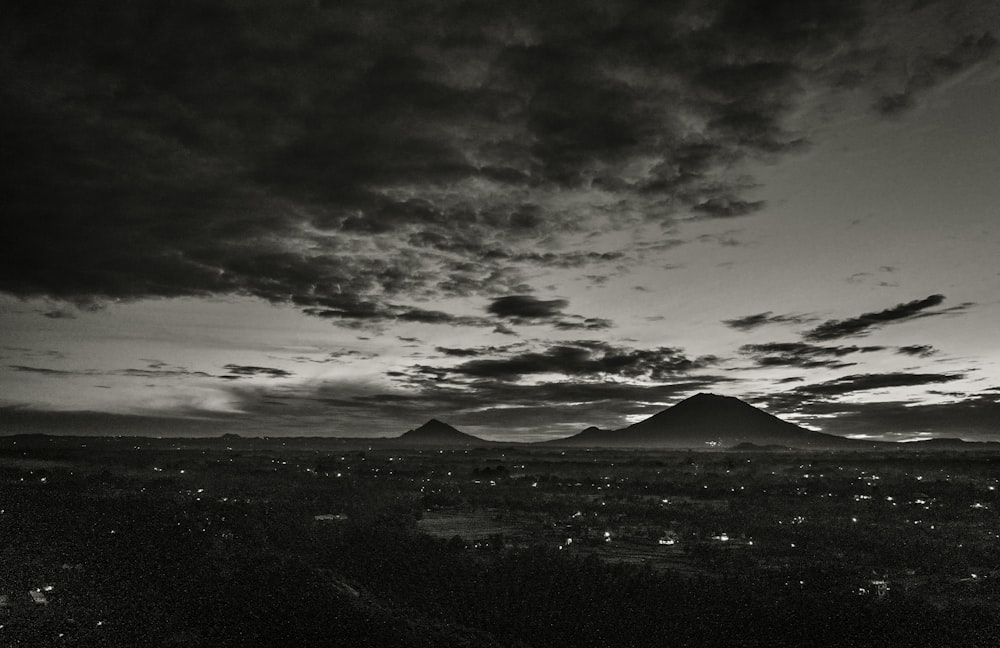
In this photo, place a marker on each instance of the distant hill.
(711, 421)
(435, 432)
(591, 433)
(949, 443)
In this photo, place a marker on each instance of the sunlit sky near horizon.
(523, 219)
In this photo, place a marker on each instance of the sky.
(522, 218)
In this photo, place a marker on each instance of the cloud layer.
(866, 322)
(587, 359)
(357, 159)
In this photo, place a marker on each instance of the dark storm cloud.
(800, 354)
(526, 307)
(864, 323)
(569, 259)
(918, 350)
(750, 322)
(459, 353)
(240, 371)
(439, 317)
(587, 359)
(342, 157)
(864, 382)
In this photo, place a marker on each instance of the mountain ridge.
(711, 421)
(438, 432)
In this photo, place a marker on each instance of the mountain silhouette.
(710, 421)
(435, 432)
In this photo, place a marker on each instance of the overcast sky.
(523, 218)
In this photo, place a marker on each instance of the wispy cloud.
(585, 359)
(866, 322)
(750, 322)
(917, 350)
(930, 69)
(152, 371)
(43, 370)
(865, 382)
(800, 354)
(248, 371)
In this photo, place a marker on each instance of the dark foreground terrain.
(306, 542)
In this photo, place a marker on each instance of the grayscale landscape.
(519, 324)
